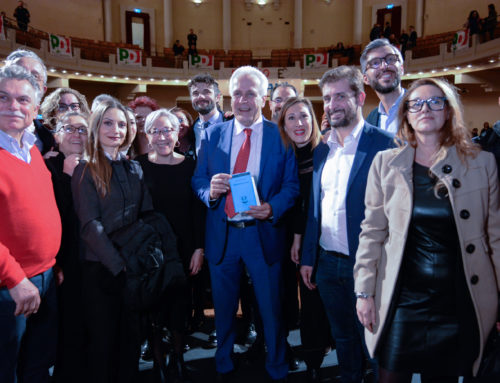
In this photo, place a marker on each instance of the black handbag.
(489, 370)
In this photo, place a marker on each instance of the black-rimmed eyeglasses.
(70, 129)
(74, 106)
(434, 103)
(390, 59)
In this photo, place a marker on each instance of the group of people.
(391, 223)
(484, 26)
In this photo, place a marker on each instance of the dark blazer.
(277, 185)
(372, 140)
(99, 217)
(374, 118)
(45, 136)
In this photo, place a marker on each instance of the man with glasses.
(34, 64)
(279, 95)
(382, 67)
(336, 210)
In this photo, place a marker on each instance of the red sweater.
(30, 226)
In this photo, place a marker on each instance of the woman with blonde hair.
(109, 194)
(427, 273)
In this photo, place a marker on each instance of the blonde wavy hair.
(453, 133)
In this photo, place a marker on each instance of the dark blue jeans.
(334, 277)
(28, 345)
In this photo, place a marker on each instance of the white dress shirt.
(334, 180)
(253, 165)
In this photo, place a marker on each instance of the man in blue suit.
(255, 238)
(336, 210)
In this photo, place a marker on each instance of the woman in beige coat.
(428, 263)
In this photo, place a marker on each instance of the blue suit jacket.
(372, 140)
(277, 185)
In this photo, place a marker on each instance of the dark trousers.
(314, 327)
(114, 331)
(335, 280)
(28, 345)
(70, 361)
(226, 277)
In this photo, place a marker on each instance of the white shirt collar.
(353, 136)
(238, 127)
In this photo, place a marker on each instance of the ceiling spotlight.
(64, 71)
(469, 66)
(305, 81)
(52, 70)
(458, 68)
(126, 78)
(176, 81)
(445, 69)
(420, 73)
(433, 71)
(164, 80)
(114, 77)
(101, 76)
(151, 79)
(491, 61)
(77, 73)
(89, 74)
(138, 78)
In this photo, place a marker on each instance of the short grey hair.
(19, 54)
(62, 121)
(153, 116)
(17, 72)
(377, 43)
(249, 71)
(100, 99)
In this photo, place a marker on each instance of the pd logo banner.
(201, 62)
(129, 56)
(60, 45)
(316, 60)
(461, 40)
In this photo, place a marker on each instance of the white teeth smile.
(300, 132)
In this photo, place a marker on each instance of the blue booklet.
(244, 192)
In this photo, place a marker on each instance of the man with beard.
(205, 96)
(382, 67)
(280, 94)
(336, 210)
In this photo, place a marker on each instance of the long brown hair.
(98, 165)
(453, 133)
(315, 132)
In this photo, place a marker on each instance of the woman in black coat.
(109, 194)
(71, 137)
(168, 177)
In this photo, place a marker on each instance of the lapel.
(266, 150)
(225, 142)
(403, 164)
(365, 142)
(320, 156)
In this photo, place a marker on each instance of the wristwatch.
(363, 295)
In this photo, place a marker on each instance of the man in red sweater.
(30, 235)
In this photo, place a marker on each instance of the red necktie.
(240, 166)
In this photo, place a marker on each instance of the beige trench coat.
(474, 196)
